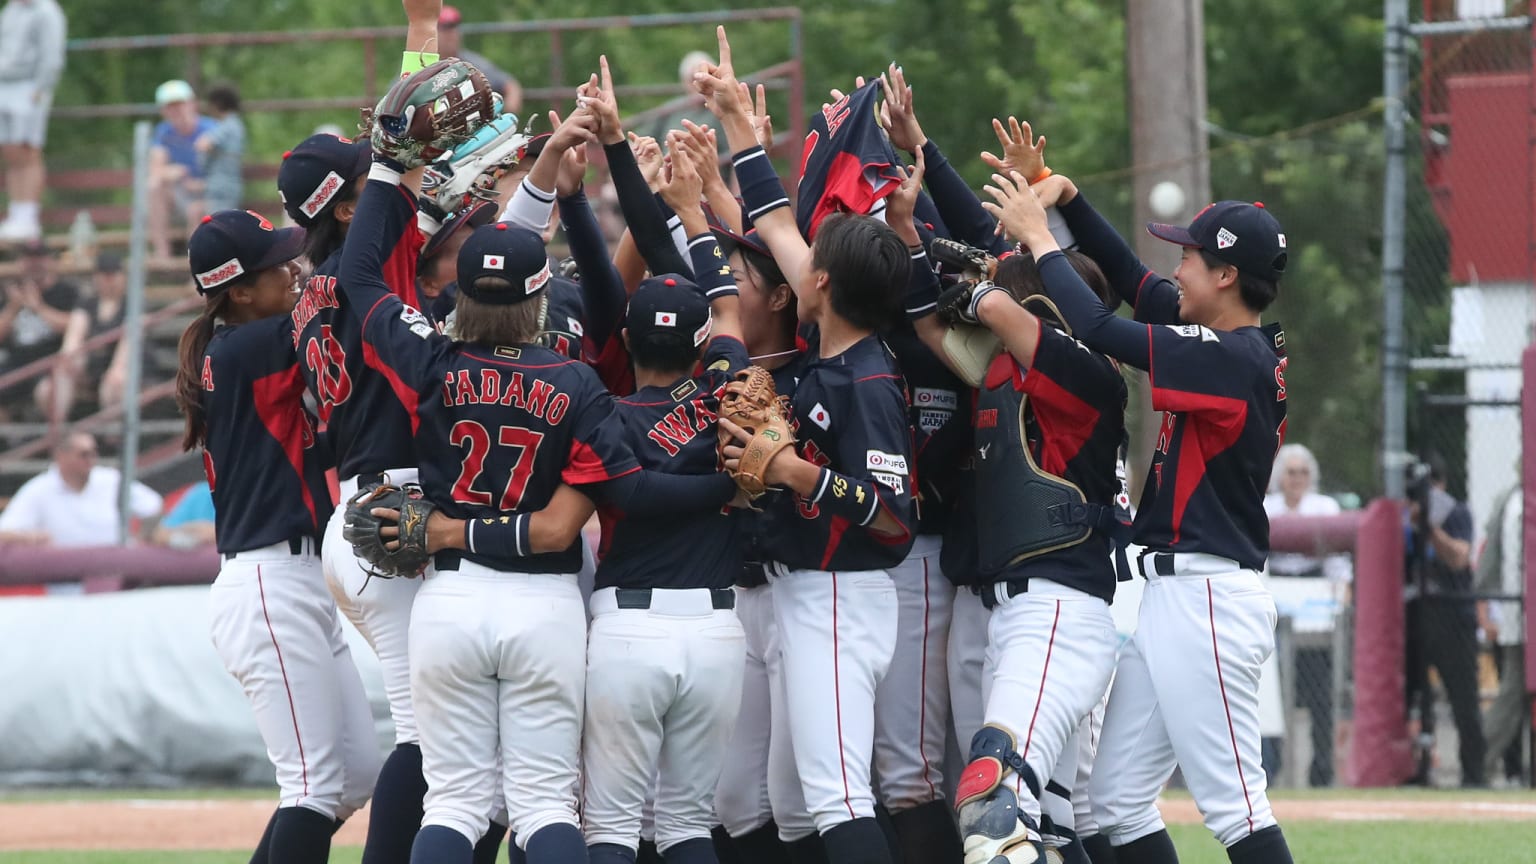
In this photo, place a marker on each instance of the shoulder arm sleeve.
(645, 220)
(874, 451)
(1095, 325)
(22, 513)
(1131, 279)
(922, 297)
(1195, 369)
(957, 204)
(599, 452)
(711, 272)
(529, 207)
(602, 289)
(144, 501)
(1459, 523)
(726, 355)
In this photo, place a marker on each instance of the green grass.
(181, 793)
(343, 855)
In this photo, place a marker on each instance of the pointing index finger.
(725, 47)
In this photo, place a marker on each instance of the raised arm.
(601, 286)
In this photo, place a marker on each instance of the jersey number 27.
(468, 433)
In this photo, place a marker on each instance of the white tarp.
(125, 689)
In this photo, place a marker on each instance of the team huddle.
(856, 462)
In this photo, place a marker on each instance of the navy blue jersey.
(1074, 421)
(500, 427)
(940, 418)
(370, 415)
(848, 164)
(264, 464)
(672, 430)
(850, 417)
(754, 524)
(564, 332)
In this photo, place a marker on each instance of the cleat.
(470, 171)
(994, 829)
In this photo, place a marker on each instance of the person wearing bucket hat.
(273, 621)
(503, 425)
(1207, 620)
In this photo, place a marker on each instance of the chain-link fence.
(1467, 286)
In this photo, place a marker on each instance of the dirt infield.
(223, 824)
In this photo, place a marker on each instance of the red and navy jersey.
(672, 430)
(564, 330)
(850, 417)
(370, 418)
(939, 415)
(264, 463)
(848, 163)
(500, 427)
(1074, 423)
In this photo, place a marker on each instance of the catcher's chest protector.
(1022, 511)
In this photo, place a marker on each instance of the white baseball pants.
(741, 798)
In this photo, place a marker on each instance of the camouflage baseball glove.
(752, 402)
(405, 555)
(429, 113)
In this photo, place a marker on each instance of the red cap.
(449, 17)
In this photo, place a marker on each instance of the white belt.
(682, 602)
(1176, 565)
(298, 547)
(397, 476)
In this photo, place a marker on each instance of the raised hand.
(902, 203)
(762, 123)
(597, 95)
(577, 130)
(697, 144)
(649, 157)
(901, 119)
(1018, 210)
(1021, 151)
(573, 170)
(685, 187)
(722, 92)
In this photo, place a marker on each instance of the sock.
(883, 819)
(1074, 853)
(394, 816)
(559, 843)
(300, 836)
(1100, 850)
(515, 853)
(699, 850)
(1155, 848)
(490, 844)
(264, 846)
(647, 853)
(927, 834)
(763, 846)
(439, 844)
(725, 848)
(24, 212)
(610, 853)
(1264, 846)
(810, 849)
(857, 841)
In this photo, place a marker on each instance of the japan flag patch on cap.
(666, 319)
(1225, 239)
(494, 262)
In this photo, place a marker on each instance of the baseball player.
(273, 623)
(849, 516)
(1186, 687)
(666, 652)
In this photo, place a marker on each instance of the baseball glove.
(429, 113)
(752, 402)
(361, 529)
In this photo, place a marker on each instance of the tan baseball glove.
(752, 402)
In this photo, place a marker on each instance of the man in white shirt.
(74, 502)
(1501, 570)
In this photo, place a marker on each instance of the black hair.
(1257, 292)
(867, 267)
(1019, 276)
(324, 237)
(763, 266)
(664, 351)
(189, 361)
(224, 97)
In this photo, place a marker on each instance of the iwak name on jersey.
(541, 399)
(677, 428)
(319, 293)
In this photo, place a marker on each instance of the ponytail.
(189, 370)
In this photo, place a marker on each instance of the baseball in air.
(1167, 199)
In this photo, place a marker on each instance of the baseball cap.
(449, 17)
(730, 241)
(535, 146)
(232, 243)
(668, 303)
(316, 171)
(1241, 234)
(174, 90)
(472, 217)
(507, 251)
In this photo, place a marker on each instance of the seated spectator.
(36, 313)
(190, 522)
(450, 44)
(97, 313)
(221, 151)
(175, 177)
(74, 502)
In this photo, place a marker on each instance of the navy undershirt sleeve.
(1096, 326)
(647, 224)
(601, 287)
(958, 205)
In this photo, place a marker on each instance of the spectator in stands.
(1501, 570)
(74, 502)
(1293, 485)
(222, 150)
(1441, 617)
(175, 177)
(97, 313)
(450, 43)
(36, 313)
(31, 60)
(189, 524)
